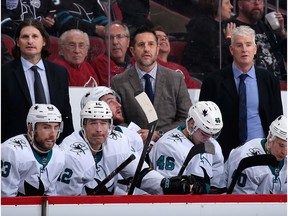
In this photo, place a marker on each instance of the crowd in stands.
(236, 62)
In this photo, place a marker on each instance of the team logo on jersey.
(18, 143)
(176, 137)
(254, 151)
(115, 135)
(79, 148)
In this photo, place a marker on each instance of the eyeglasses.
(254, 1)
(73, 46)
(118, 36)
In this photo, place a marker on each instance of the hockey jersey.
(170, 151)
(257, 179)
(24, 172)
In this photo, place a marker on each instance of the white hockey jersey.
(257, 179)
(26, 172)
(82, 167)
(170, 151)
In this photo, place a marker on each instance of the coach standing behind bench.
(17, 81)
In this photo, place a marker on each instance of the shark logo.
(176, 137)
(18, 143)
(32, 191)
(204, 112)
(254, 151)
(79, 148)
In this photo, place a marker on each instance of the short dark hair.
(143, 29)
(38, 25)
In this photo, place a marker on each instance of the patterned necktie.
(242, 110)
(148, 87)
(38, 87)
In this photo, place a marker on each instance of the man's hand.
(144, 134)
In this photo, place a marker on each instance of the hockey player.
(203, 124)
(31, 163)
(261, 179)
(103, 93)
(96, 150)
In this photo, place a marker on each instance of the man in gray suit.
(170, 96)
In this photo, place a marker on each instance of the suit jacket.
(220, 87)
(16, 100)
(171, 97)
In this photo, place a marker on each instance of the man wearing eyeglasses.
(118, 38)
(74, 45)
(271, 52)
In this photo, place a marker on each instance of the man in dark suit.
(263, 97)
(17, 81)
(171, 98)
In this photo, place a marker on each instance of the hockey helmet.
(278, 127)
(207, 117)
(96, 93)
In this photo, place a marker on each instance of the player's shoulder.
(16, 143)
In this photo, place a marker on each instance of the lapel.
(134, 80)
(159, 86)
(228, 82)
(20, 76)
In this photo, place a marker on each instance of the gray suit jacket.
(171, 100)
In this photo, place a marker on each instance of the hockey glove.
(184, 185)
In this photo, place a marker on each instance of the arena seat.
(9, 42)
(177, 50)
(54, 48)
(97, 47)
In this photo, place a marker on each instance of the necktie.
(38, 87)
(148, 87)
(242, 110)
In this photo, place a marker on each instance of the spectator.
(262, 179)
(202, 53)
(96, 150)
(171, 150)
(136, 14)
(171, 97)
(17, 81)
(88, 16)
(263, 98)
(74, 46)
(33, 159)
(162, 59)
(118, 40)
(14, 12)
(271, 45)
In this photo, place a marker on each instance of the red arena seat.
(9, 42)
(97, 47)
(177, 50)
(54, 48)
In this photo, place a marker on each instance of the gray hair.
(117, 22)
(63, 37)
(242, 31)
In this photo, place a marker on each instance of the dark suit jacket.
(171, 100)
(16, 100)
(220, 87)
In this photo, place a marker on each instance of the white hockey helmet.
(278, 127)
(207, 117)
(96, 110)
(96, 93)
(43, 113)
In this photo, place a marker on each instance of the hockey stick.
(152, 118)
(206, 147)
(113, 173)
(257, 160)
(44, 206)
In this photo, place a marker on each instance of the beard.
(254, 15)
